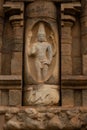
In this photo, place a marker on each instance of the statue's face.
(41, 38)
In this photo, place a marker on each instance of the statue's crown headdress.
(41, 30)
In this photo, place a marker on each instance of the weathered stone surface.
(2, 121)
(43, 94)
(76, 80)
(76, 39)
(10, 80)
(16, 63)
(85, 64)
(44, 118)
(66, 65)
(66, 49)
(35, 92)
(6, 64)
(84, 97)
(15, 97)
(0, 97)
(78, 97)
(0, 63)
(76, 65)
(4, 97)
(46, 9)
(67, 97)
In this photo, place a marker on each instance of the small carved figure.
(42, 51)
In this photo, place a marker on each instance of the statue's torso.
(41, 50)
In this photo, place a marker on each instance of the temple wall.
(32, 89)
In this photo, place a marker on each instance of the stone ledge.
(74, 80)
(10, 79)
(44, 118)
(65, 1)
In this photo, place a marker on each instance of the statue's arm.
(50, 53)
(32, 50)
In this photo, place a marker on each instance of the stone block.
(15, 97)
(42, 94)
(2, 121)
(84, 44)
(4, 97)
(84, 97)
(64, 31)
(0, 63)
(78, 97)
(66, 38)
(67, 97)
(6, 64)
(76, 65)
(66, 49)
(84, 60)
(66, 65)
(76, 49)
(0, 97)
(16, 63)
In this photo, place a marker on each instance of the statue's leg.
(38, 70)
(45, 70)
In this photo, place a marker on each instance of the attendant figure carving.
(42, 51)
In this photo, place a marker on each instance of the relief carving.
(41, 58)
(41, 51)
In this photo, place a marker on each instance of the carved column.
(15, 19)
(1, 27)
(11, 81)
(41, 74)
(71, 55)
(16, 63)
(84, 45)
(84, 35)
(66, 46)
(71, 38)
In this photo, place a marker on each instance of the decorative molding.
(65, 1)
(44, 118)
(73, 80)
(10, 80)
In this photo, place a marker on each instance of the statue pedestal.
(43, 94)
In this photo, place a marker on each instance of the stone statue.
(42, 51)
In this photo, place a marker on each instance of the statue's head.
(41, 33)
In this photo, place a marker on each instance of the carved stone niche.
(41, 54)
(41, 68)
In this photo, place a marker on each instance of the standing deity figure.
(42, 51)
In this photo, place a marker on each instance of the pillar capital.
(69, 12)
(15, 10)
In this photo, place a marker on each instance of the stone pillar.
(41, 83)
(70, 52)
(66, 54)
(84, 35)
(66, 47)
(1, 27)
(84, 46)
(16, 61)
